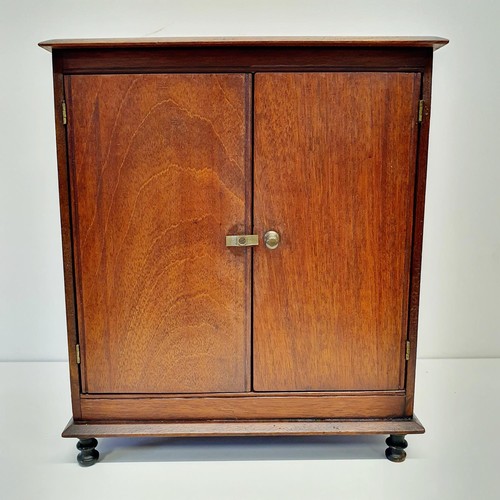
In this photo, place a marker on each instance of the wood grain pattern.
(79, 185)
(248, 394)
(252, 407)
(242, 59)
(160, 169)
(334, 175)
(418, 231)
(330, 41)
(66, 234)
(269, 428)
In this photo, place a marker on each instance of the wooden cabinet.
(313, 148)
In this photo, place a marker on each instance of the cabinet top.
(333, 41)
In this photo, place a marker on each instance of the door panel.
(159, 174)
(334, 175)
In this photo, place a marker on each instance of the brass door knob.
(272, 240)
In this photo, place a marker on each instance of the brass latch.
(242, 240)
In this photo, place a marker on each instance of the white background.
(460, 300)
(451, 461)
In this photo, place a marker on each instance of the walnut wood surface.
(262, 428)
(248, 394)
(241, 59)
(249, 408)
(159, 167)
(67, 247)
(151, 42)
(334, 175)
(418, 229)
(128, 57)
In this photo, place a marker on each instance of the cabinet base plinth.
(397, 428)
(83, 429)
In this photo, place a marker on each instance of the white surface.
(460, 316)
(457, 401)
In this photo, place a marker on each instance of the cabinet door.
(158, 168)
(334, 176)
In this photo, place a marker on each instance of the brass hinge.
(407, 355)
(420, 111)
(77, 354)
(64, 114)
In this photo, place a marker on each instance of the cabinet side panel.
(159, 166)
(67, 249)
(418, 229)
(334, 175)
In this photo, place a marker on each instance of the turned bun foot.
(88, 454)
(396, 451)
